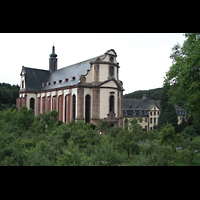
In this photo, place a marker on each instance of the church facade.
(89, 90)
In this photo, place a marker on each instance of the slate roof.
(68, 72)
(140, 104)
(34, 78)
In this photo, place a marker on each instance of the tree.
(25, 118)
(167, 136)
(184, 74)
(168, 111)
(190, 148)
(104, 126)
(129, 137)
(189, 132)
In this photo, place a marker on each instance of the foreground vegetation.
(8, 95)
(26, 140)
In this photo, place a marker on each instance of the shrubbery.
(44, 140)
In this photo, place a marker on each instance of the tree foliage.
(168, 111)
(26, 140)
(184, 74)
(8, 95)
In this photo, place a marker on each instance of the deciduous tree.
(184, 74)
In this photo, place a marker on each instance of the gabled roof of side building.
(34, 78)
(140, 104)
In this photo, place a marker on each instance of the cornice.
(105, 62)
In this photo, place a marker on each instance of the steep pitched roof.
(74, 70)
(140, 104)
(34, 78)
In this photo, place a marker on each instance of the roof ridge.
(36, 69)
(82, 61)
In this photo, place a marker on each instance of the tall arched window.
(111, 103)
(32, 104)
(87, 108)
(74, 106)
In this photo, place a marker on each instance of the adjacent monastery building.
(89, 90)
(148, 111)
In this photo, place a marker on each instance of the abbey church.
(89, 90)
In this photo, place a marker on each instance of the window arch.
(74, 106)
(32, 104)
(87, 108)
(111, 103)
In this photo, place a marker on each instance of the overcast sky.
(143, 57)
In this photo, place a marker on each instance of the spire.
(53, 49)
(53, 60)
(53, 52)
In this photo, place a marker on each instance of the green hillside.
(8, 95)
(153, 94)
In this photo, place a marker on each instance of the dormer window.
(72, 78)
(53, 82)
(48, 83)
(59, 81)
(66, 79)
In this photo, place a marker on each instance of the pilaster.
(96, 106)
(80, 103)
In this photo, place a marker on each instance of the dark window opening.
(87, 108)
(22, 84)
(111, 103)
(74, 107)
(111, 70)
(32, 103)
(112, 125)
(72, 78)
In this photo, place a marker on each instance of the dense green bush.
(26, 140)
(189, 132)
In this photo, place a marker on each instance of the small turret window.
(22, 84)
(111, 58)
(111, 70)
